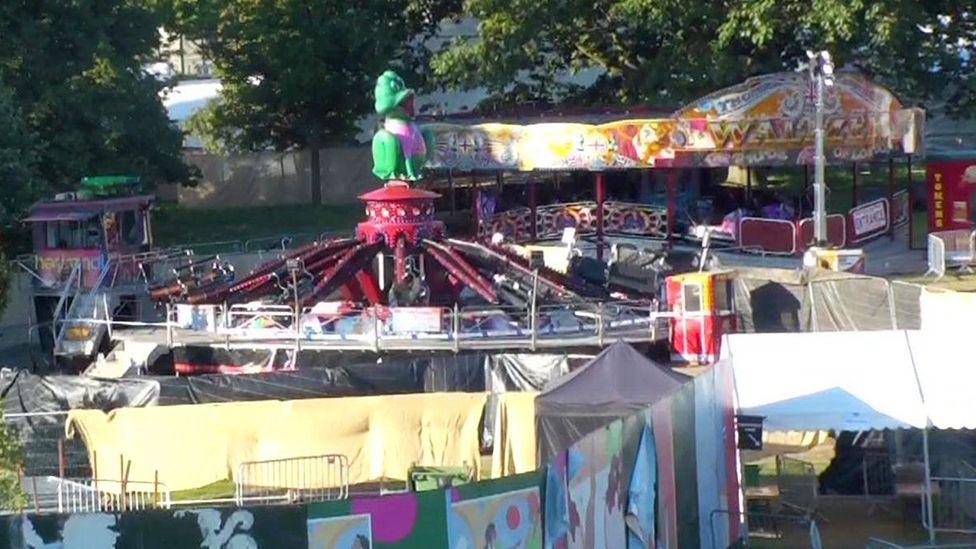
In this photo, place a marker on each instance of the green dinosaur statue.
(399, 147)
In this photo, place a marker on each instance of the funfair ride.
(401, 282)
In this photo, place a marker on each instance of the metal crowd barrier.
(951, 249)
(95, 496)
(290, 480)
(953, 505)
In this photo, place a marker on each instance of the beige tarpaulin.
(514, 435)
(196, 445)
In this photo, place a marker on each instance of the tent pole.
(930, 523)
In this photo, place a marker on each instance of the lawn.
(219, 490)
(960, 282)
(173, 225)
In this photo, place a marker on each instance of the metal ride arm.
(350, 263)
(461, 269)
(259, 279)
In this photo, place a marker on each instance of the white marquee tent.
(854, 381)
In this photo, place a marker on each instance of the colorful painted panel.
(514, 225)
(552, 219)
(767, 120)
(597, 490)
(511, 520)
(407, 520)
(224, 528)
(348, 532)
(55, 266)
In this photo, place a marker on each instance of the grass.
(173, 225)
(218, 490)
(872, 182)
(951, 281)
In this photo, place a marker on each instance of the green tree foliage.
(12, 497)
(19, 184)
(75, 71)
(669, 51)
(299, 73)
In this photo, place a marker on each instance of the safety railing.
(291, 480)
(347, 326)
(951, 249)
(383, 327)
(95, 496)
(773, 236)
(836, 231)
(797, 483)
(878, 543)
(953, 505)
(623, 218)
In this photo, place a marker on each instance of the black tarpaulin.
(615, 384)
(35, 407)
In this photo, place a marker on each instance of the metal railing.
(953, 505)
(797, 483)
(94, 495)
(445, 328)
(878, 543)
(773, 236)
(290, 480)
(951, 249)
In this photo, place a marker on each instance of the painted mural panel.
(597, 490)
(347, 532)
(766, 120)
(511, 519)
(407, 520)
(226, 528)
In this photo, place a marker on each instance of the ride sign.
(869, 218)
(412, 320)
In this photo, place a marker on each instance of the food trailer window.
(63, 235)
(132, 228)
(692, 295)
(723, 296)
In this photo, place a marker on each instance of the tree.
(666, 51)
(76, 77)
(19, 184)
(12, 497)
(298, 73)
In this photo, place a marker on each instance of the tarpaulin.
(32, 407)
(780, 300)
(524, 371)
(358, 380)
(642, 494)
(618, 382)
(846, 381)
(514, 435)
(192, 446)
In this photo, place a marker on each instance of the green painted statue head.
(393, 97)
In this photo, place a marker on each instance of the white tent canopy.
(852, 381)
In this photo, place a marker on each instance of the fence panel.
(771, 236)
(310, 478)
(95, 496)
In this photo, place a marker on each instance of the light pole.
(821, 69)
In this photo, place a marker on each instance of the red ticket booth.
(951, 189)
(702, 305)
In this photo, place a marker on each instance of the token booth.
(702, 308)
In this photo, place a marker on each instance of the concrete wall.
(270, 178)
